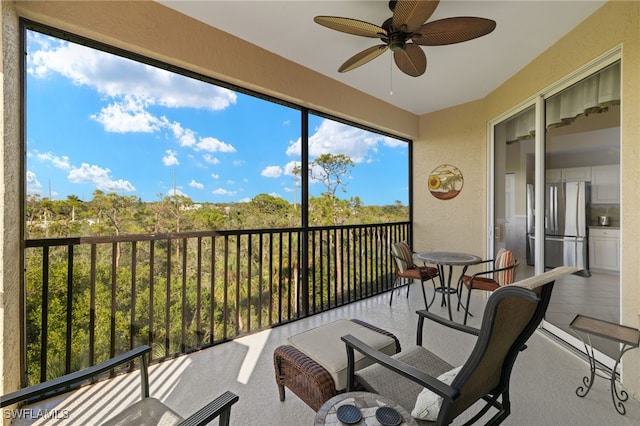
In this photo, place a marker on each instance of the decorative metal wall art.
(445, 182)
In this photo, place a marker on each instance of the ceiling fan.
(405, 31)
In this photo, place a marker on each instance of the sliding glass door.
(556, 197)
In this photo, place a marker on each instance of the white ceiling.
(455, 73)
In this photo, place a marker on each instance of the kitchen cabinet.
(604, 248)
(553, 175)
(605, 184)
(576, 174)
(570, 174)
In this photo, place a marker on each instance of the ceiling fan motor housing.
(397, 41)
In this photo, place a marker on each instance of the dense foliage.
(179, 293)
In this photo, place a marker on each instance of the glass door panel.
(514, 171)
(582, 145)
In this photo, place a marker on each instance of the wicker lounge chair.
(511, 315)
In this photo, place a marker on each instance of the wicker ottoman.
(314, 363)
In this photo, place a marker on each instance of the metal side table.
(629, 338)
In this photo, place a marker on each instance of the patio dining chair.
(434, 390)
(407, 269)
(498, 272)
(147, 411)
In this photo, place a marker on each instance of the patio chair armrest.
(354, 344)
(64, 383)
(424, 314)
(221, 406)
(493, 271)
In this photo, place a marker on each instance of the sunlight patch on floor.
(255, 344)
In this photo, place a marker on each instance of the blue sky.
(98, 121)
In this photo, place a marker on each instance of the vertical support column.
(11, 190)
(540, 151)
(304, 208)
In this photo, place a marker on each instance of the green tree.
(115, 214)
(332, 171)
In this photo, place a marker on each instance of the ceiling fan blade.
(363, 57)
(452, 30)
(411, 60)
(412, 14)
(351, 26)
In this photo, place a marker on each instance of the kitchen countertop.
(604, 227)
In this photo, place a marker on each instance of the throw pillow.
(428, 403)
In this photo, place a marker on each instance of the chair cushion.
(323, 345)
(384, 381)
(419, 272)
(146, 412)
(428, 402)
(481, 283)
(503, 260)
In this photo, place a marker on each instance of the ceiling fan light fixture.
(397, 42)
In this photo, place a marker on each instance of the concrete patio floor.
(543, 382)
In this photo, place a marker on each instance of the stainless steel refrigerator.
(566, 215)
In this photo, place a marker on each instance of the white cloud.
(132, 88)
(215, 176)
(222, 191)
(128, 115)
(337, 138)
(393, 143)
(33, 184)
(58, 162)
(288, 168)
(210, 159)
(195, 184)
(114, 76)
(100, 178)
(170, 159)
(213, 145)
(175, 191)
(186, 137)
(272, 172)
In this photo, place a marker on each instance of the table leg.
(582, 391)
(448, 290)
(459, 288)
(622, 396)
(442, 288)
(618, 397)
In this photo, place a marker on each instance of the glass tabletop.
(448, 258)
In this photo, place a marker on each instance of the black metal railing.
(91, 298)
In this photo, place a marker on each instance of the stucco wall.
(455, 136)
(450, 137)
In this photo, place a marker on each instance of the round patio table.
(450, 259)
(367, 404)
